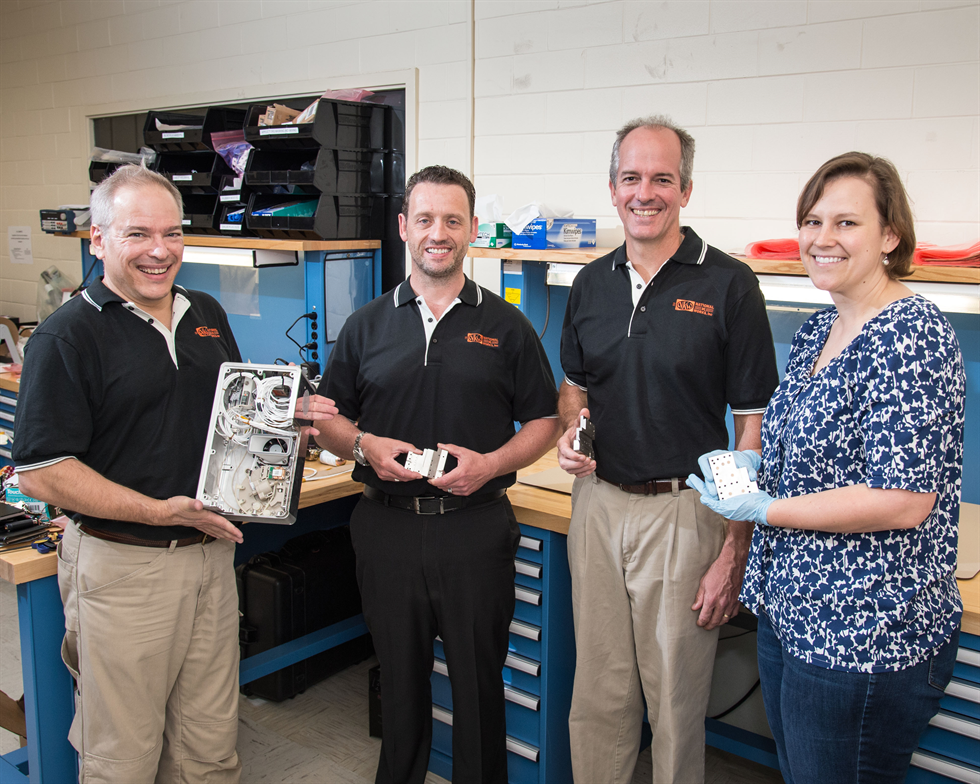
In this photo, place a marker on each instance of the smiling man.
(659, 337)
(114, 410)
(439, 362)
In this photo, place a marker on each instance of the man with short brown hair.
(659, 336)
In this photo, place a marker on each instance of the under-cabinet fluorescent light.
(229, 257)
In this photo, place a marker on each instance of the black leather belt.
(431, 505)
(653, 487)
(138, 542)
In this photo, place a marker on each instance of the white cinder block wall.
(525, 95)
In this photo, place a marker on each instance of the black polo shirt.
(659, 376)
(483, 369)
(100, 384)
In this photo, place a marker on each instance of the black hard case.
(309, 584)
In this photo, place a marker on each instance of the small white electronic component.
(430, 463)
(252, 470)
(584, 441)
(729, 480)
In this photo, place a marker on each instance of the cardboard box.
(277, 114)
(492, 235)
(546, 233)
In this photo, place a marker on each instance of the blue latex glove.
(750, 506)
(746, 459)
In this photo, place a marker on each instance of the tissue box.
(492, 235)
(557, 233)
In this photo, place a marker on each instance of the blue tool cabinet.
(537, 674)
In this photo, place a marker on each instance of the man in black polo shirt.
(659, 336)
(112, 422)
(439, 362)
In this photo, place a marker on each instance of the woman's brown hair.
(890, 198)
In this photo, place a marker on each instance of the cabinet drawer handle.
(531, 544)
(525, 630)
(528, 595)
(521, 698)
(513, 745)
(528, 568)
(516, 662)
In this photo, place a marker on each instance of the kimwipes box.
(492, 235)
(557, 233)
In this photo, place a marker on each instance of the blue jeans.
(834, 727)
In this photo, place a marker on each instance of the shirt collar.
(470, 295)
(691, 251)
(98, 294)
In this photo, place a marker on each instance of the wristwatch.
(358, 452)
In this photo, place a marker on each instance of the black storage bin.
(304, 171)
(282, 171)
(99, 170)
(200, 213)
(359, 171)
(193, 172)
(337, 217)
(307, 585)
(232, 197)
(215, 120)
(347, 125)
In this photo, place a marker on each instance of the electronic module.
(584, 441)
(252, 468)
(729, 480)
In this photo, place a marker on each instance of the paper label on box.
(173, 135)
(279, 131)
(513, 296)
(230, 226)
(182, 177)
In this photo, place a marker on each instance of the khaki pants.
(151, 637)
(636, 563)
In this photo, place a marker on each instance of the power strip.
(729, 480)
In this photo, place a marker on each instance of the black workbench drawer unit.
(308, 585)
(337, 217)
(325, 171)
(347, 125)
(196, 139)
(193, 172)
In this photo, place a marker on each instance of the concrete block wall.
(769, 89)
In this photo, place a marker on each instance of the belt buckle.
(418, 508)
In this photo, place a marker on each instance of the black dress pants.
(450, 575)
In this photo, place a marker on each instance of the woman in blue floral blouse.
(851, 570)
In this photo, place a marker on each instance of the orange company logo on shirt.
(476, 337)
(691, 306)
(207, 332)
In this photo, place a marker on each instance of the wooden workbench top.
(257, 243)
(930, 273)
(10, 382)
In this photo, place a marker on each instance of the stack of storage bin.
(339, 177)
(187, 158)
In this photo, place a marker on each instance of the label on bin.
(185, 222)
(182, 177)
(231, 197)
(230, 226)
(280, 131)
(173, 135)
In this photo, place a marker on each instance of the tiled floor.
(321, 736)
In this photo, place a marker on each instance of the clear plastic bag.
(231, 146)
